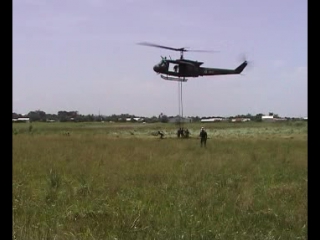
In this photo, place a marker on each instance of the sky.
(82, 55)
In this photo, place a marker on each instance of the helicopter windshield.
(162, 64)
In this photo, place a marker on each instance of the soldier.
(161, 134)
(203, 137)
(187, 133)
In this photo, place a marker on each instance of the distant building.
(178, 119)
(240, 120)
(211, 120)
(267, 118)
(136, 119)
(272, 119)
(245, 119)
(22, 119)
(280, 119)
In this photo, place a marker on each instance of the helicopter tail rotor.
(243, 58)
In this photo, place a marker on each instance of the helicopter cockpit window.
(162, 64)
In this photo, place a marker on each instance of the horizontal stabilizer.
(174, 78)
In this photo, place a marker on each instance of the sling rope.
(180, 102)
(181, 99)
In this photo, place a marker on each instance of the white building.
(240, 120)
(21, 120)
(267, 118)
(212, 120)
(136, 119)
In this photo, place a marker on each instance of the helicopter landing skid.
(173, 78)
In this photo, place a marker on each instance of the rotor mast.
(181, 53)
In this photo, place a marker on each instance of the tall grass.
(102, 187)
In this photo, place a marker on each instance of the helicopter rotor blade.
(204, 51)
(161, 46)
(183, 49)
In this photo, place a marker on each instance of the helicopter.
(184, 68)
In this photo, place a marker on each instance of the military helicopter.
(184, 68)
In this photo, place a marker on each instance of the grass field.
(119, 181)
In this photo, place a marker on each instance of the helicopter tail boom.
(222, 71)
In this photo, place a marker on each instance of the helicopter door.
(173, 68)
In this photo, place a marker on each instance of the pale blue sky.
(81, 55)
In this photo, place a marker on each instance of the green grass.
(102, 182)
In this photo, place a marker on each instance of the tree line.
(74, 116)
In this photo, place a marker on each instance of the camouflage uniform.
(203, 137)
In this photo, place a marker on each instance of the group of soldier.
(184, 133)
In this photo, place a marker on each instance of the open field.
(119, 181)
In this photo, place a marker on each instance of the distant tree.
(153, 119)
(258, 117)
(36, 116)
(64, 116)
(164, 118)
(196, 119)
(249, 116)
(16, 115)
(113, 118)
(52, 117)
(89, 118)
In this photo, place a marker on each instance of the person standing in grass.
(203, 137)
(161, 134)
